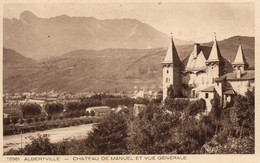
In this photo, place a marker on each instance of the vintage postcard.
(110, 81)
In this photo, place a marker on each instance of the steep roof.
(172, 54)
(240, 59)
(215, 53)
(196, 63)
(247, 75)
(230, 92)
(209, 89)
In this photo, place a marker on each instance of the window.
(202, 80)
(217, 84)
(193, 93)
(212, 80)
(167, 80)
(167, 71)
(206, 95)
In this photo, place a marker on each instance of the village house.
(206, 74)
(100, 110)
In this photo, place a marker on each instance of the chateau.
(206, 74)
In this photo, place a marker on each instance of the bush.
(30, 110)
(49, 118)
(6, 121)
(21, 121)
(29, 120)
(40, 145)
(196, 107)
(82, 113)
(14, 120)
(65, 115)
(87, 113)
(54, 117)
(108, 137)
(54, 108)
(76, 113)
(176, 104)
(36, 119)
(42, 119)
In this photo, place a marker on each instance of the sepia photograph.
(121, 78)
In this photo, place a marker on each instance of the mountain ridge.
(38, 38)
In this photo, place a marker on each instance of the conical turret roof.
(172, 54)
(215, 55)
(240, 59)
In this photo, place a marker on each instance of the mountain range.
(112, 69)
(39, 38)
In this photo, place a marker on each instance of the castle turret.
(172, 66)
(215, 63)
(240, 63)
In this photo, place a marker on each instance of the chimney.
(242, 69)
(238, 73)
(196, 50)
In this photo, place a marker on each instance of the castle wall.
(241, 87)
(208, 98)
(213, 72)
(196, 82)
(167, 79)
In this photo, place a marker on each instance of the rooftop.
(229, 92)
(247, 75)
(209, 89)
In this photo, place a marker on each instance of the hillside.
(105, 70)
(38, 38)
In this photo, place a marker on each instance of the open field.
(56, 135)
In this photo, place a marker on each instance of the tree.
(87, 113)
(40, 145)
(170, 92)
(54, 108)
(30, 110)
(215, 113)
(108, 136)
(195, 107)
(244, 112)
(14, 120)
(6, 121)
(176, 104)
(151, 132)
(29, 120)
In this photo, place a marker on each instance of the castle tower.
(172, 66)
(215, 63)
(240, 61)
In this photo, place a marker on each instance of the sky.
(188, 21)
